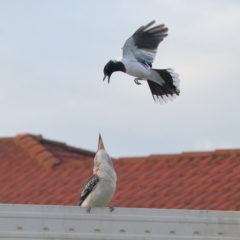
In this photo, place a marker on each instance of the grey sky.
(52, 55)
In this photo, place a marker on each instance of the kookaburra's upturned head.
(99, 189)
(139, 52)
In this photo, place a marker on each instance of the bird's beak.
(105, 78)
(100, 143)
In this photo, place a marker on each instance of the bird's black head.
(112, 66)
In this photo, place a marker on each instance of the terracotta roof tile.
(34, 170)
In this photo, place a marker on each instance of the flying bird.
(138, 54)
(99, 189)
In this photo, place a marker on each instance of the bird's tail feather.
(169, 89)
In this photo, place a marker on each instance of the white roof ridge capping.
(69, 222)
(99, 189)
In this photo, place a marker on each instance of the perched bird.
(100, 188)
(138, 55)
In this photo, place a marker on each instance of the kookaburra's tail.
(169, 89)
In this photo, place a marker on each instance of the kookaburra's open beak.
(100, 143)
(105, 78)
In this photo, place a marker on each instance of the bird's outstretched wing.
(143, 44)
(88, 187)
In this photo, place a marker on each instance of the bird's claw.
(136, 80)
(111, 208)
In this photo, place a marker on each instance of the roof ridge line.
(31, 144)
(71, 148)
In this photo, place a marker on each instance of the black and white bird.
(99, 189)
(138, 55)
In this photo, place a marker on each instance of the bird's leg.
(111, 208)
(136, 80)
(88, 209)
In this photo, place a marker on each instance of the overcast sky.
(52, 55)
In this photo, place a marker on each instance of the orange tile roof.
(34, 170)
